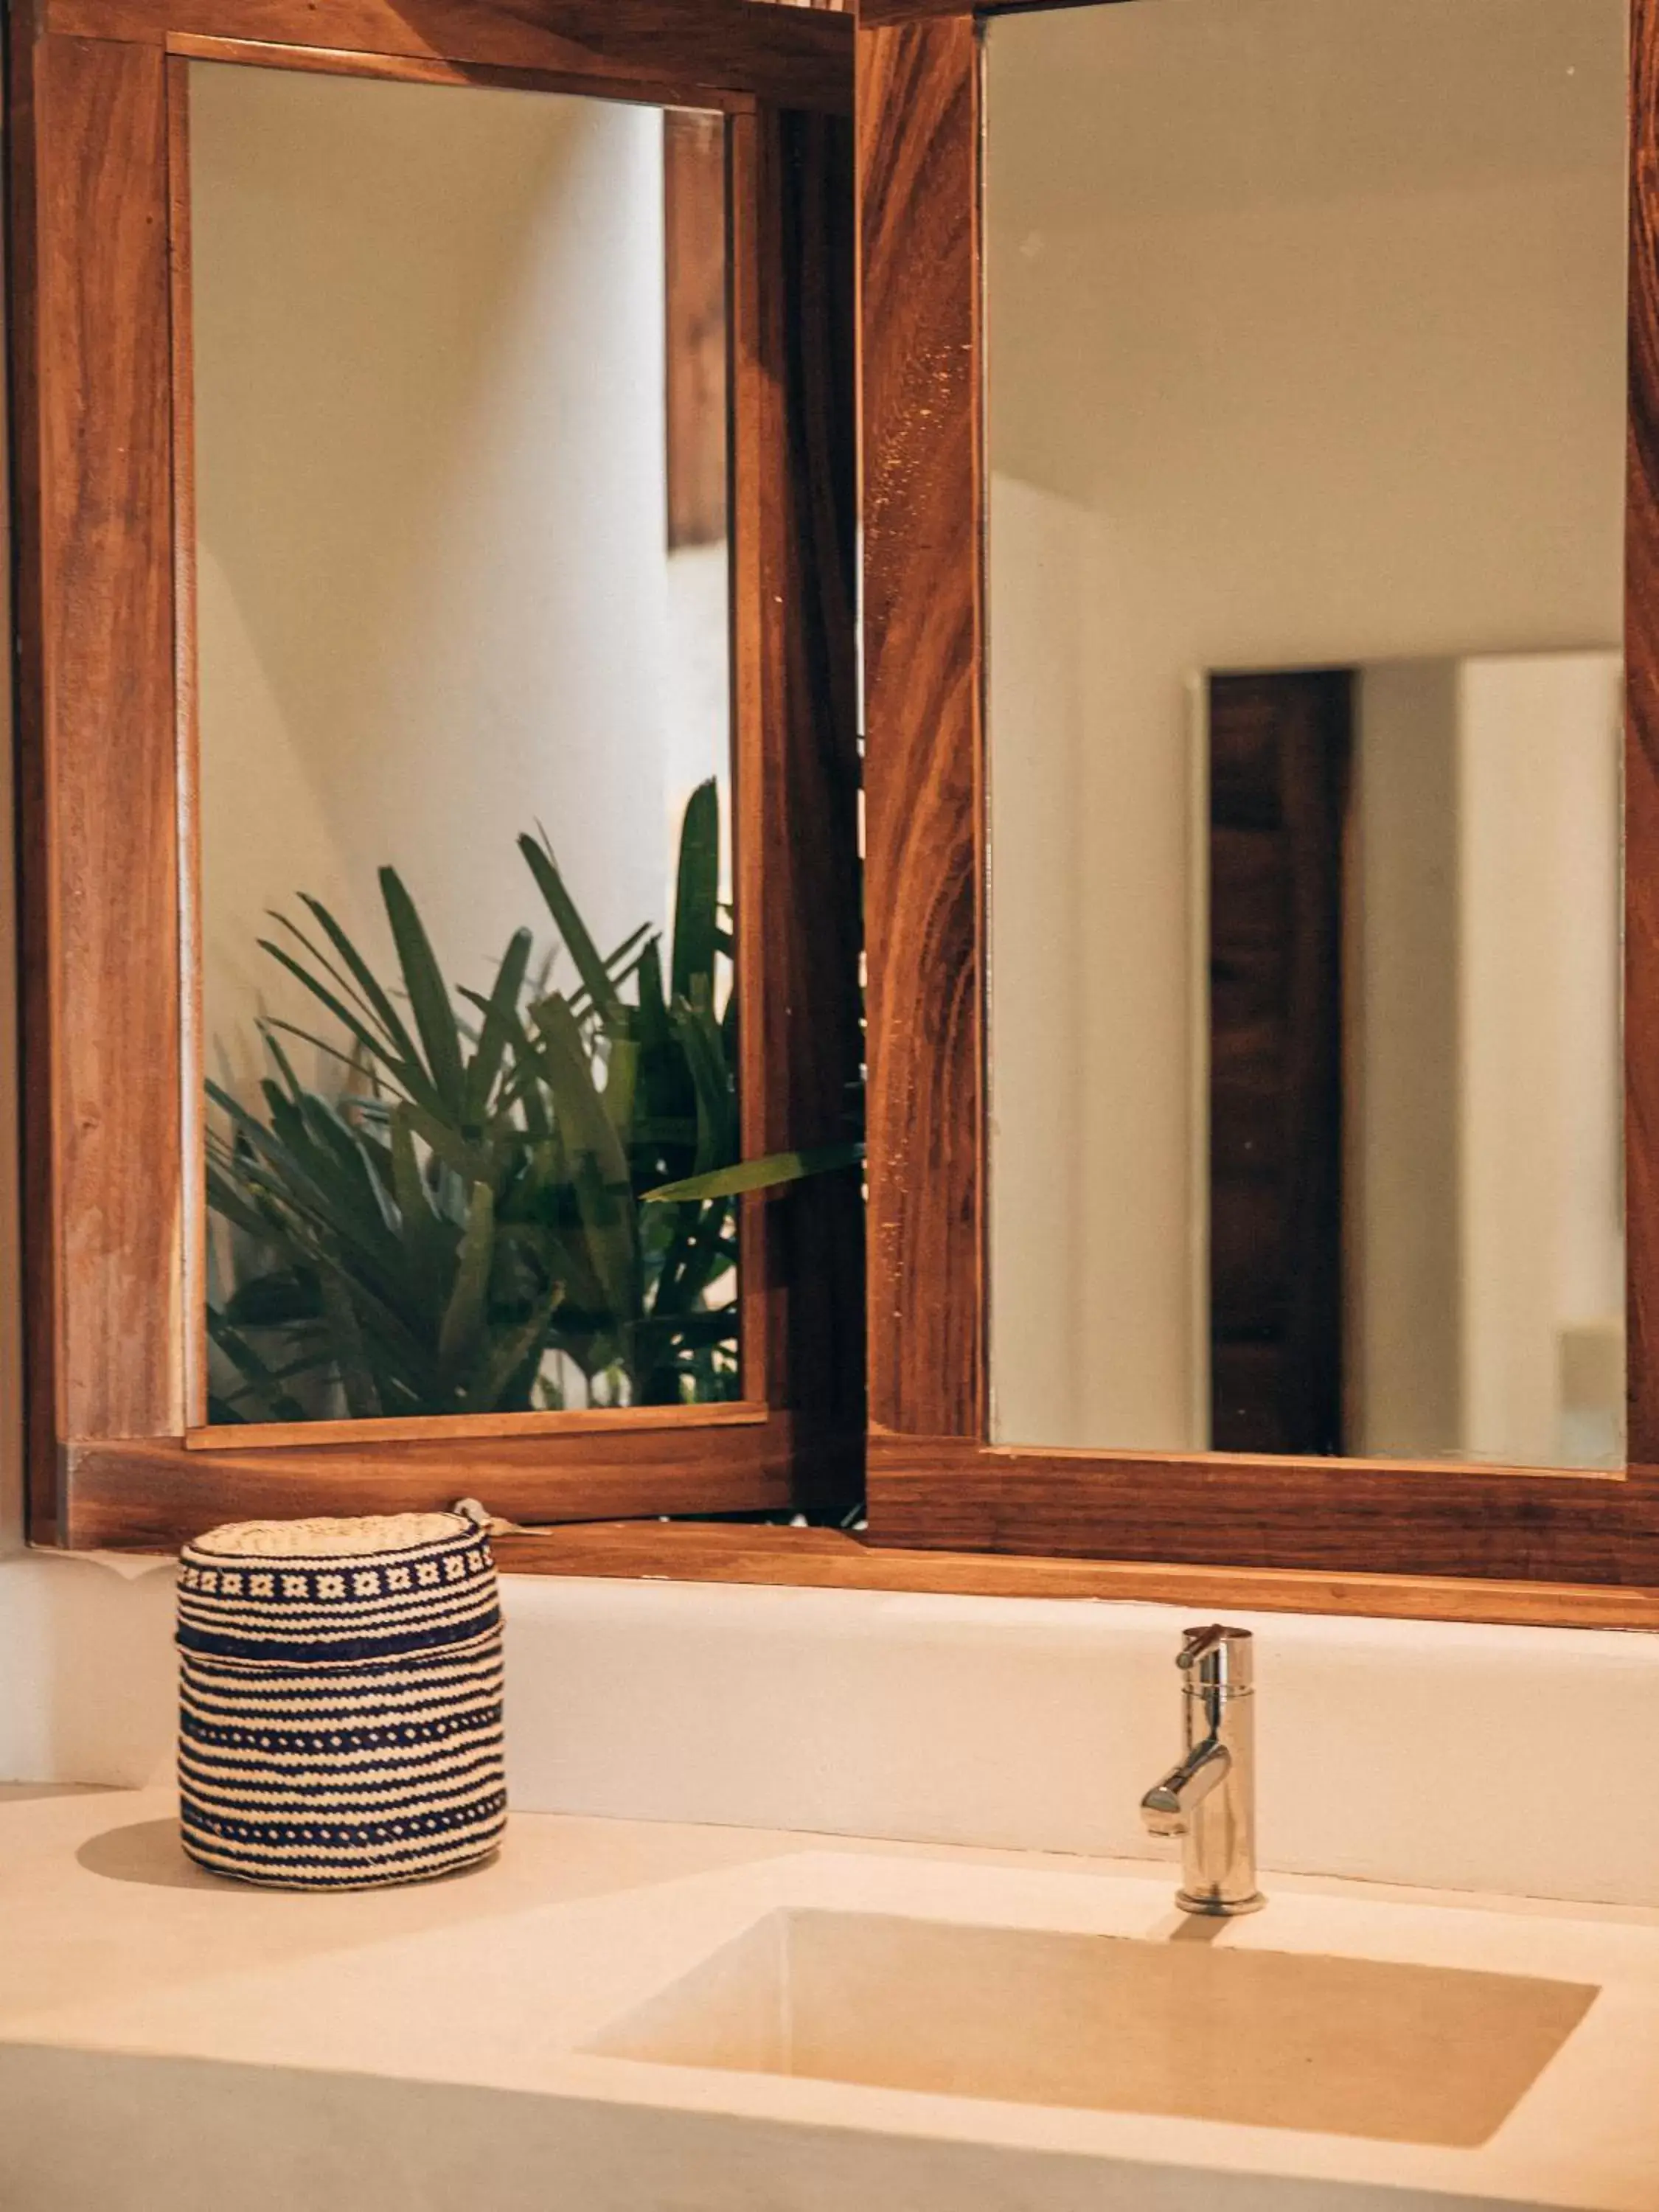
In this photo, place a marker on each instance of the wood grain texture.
(756, 442)
(895, 14)
(146, 1494)
(428, 68)
(1642, 752)
(187, 735)
(109, 790)
(797, 57)
(1333, 1515)
(875, 13)
(1280, 745)
(467, 1428)
(823, 1558)
(694, 190)
(103, 1159)
(798, 769)
(36, 1119)
(917, 181)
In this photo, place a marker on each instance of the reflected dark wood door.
(1279, 751)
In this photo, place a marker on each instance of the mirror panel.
(461, 439)
(1306, 344)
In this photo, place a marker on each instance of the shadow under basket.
(340, 1700)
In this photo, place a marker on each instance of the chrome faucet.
(1209, 1799)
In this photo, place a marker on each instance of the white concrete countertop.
(169, 2039)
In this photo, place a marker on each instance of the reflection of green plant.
(769, 1171)
(469, 1203)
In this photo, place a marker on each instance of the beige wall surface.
(436, 603)
(1309, 321)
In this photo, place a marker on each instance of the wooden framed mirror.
(1258, 408)
(434, 465)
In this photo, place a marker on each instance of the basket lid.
(327, 1537)
(337, 1591)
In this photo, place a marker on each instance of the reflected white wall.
(1402, 1082)
(436, 606)
(1542, 1199)
(1043, 557)
(1483, 1139)
(1319, 311)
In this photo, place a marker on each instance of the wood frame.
(100, 438)
(694, 192)
(935, 1480)
(825, 1559)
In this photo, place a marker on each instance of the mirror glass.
(463, 692)
(1305, 343)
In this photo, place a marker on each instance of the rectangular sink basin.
(1188, 2027)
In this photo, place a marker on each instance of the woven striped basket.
(340, 1700)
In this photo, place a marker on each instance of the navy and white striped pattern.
(340, 1700)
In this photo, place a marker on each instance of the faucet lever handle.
(1200, 1642)
(1219, 1657)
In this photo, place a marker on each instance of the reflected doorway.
(1412, 1057)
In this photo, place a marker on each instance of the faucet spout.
(1209, 1799)
(1167, 1806)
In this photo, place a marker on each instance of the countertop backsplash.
(1435, 1754)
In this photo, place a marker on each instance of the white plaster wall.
(86, 1671)
(1454, 1757)
(1321, 312)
